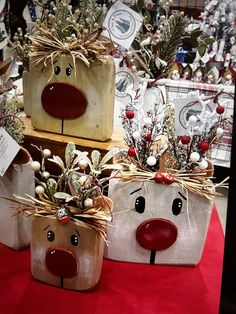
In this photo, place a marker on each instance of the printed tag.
(8, 150)
(126, 82)
(122, 24)
(184, 108)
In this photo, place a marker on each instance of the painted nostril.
(61, 262)
(63, 101)
(156, 234)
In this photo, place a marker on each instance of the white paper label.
(126, 82)
(8, 150)
(184, 108)
(122, 24)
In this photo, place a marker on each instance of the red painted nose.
(156, 234)
(61, 262)
(63, 101)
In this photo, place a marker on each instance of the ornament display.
(163, 195)
(70, 216)
(72, 91)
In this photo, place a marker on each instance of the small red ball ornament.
(159, 177)
(185, 139)
(169, 178)
(148, 137)
(203, 146)
(132, 152)
(129, 114)
(220, 109)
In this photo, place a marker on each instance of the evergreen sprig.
(172, 35)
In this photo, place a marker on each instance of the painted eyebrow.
(55, 61)
(46, 227)
(77, 232)
(70, 65)
(135, 191)
(184, 197)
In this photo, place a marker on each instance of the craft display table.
(57, 143)
(125, 288)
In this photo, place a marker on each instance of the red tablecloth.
(123, 288)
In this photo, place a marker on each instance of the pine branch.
(172, 37)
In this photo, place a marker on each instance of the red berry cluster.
(167, 178)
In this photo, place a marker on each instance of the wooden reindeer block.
(156, 223)
(66, 255)
(15, 229)
(71, 98)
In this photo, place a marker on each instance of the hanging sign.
(122, 24)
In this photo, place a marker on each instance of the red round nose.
(63, 101)
(61, 262)
(156, 234)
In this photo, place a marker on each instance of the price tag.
(8, 150)
(122, 24)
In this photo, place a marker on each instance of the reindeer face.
(71, 98)
(157, 224)
(68, 255)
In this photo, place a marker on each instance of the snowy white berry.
(35, 165)
(136, 135)
(151, 161)
(194, 157)
(39, 190)
(192, 120)
(46, 175)
(83, 163)
(46, 153)
(147, 121)
(203, 164)
(82, 179)
(88, 202)
(219, 132)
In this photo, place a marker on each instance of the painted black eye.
(51, 235)
(57, 70)
(140, 204)
(74, 239)
(68, 71)
(177, 206)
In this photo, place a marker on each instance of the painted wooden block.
(27, 78)
(73, 99)
(66, 255)
(156, 223)
(15, 229)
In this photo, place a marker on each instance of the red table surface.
(125, 288)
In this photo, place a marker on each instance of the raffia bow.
(95, 217)
(195, 182)
(47, 46)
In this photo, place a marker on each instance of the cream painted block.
(73, 99)
(156, 223)
(69, 255)
(28, 78)
(15, 229)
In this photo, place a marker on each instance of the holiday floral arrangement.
(155, 47)
(157, 153)
(66, 30)
(74, 194)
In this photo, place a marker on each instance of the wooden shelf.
(57, 142)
